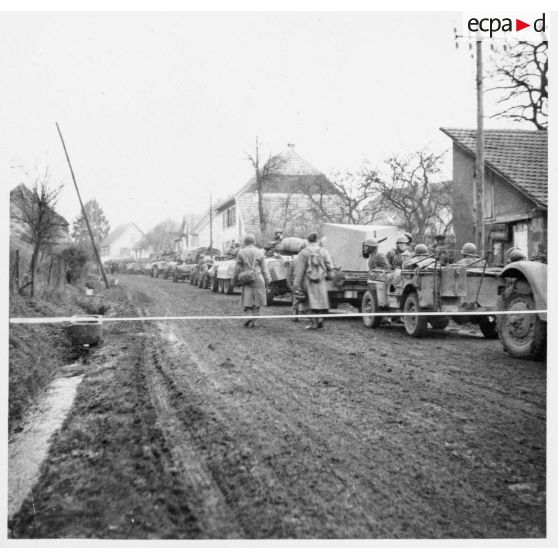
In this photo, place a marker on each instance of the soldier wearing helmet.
(514, 255)
(440, 249)
(471, 258)
(421, 259)
(376, 260)
(397, 256)
(400, 253)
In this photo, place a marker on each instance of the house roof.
(519, 156)
(119, 231)
(290, 172)
(25, 192)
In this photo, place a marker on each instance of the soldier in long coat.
(317, 301)
(254, 293)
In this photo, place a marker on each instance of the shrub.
(75, 260)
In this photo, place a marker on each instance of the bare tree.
(422, 202)
(520, 72)
(262, 173)
(349, 197)
(34, 208)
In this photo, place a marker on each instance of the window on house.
(124, 252)
(229, 217)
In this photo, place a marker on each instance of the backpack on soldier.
(316, 269)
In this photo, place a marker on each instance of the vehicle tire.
(175, 277)
(489, 326)
(415, 326)
(370, 306)
(523, 335)
(439, 323)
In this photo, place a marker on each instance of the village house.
(202, 233)
(515, 203)
(286, 203)
(19, 233)
(122, 243)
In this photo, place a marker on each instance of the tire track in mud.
(375, 490)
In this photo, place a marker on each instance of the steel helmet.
(409, 237)
(402, 239)
(515, 255)
(469, 249)
(421, 250)
(371, 242)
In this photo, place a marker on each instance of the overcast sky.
(157, 110)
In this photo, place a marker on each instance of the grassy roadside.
(36, 352)
(109, 472)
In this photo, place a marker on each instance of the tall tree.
(417, 195)
(520, 71)
(262, 173)
(99, 225)
(35, 209)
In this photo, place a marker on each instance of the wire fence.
(50, 273)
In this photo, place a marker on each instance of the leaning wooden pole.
(83, 210)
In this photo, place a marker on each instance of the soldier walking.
(254, 292)
(311, 269)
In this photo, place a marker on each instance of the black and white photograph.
(276, 275)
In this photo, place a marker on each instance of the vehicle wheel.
(489, 327)
(439, 323)
(175, 277)
(414, 325)
(523, 335)
(370, 306)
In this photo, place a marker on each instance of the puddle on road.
(28, 448)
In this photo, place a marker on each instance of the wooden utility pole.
(210, 223)
(83, 210)
(479, 170)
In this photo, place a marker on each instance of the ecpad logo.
(492, 25)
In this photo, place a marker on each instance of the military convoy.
(434, 292)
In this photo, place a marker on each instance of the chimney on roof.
(290, 145)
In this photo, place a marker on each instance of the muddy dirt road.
(214, 430)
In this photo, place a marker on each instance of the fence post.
(17, 270)
(49, 270)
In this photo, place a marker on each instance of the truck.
(443, 290)
(344, 244)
